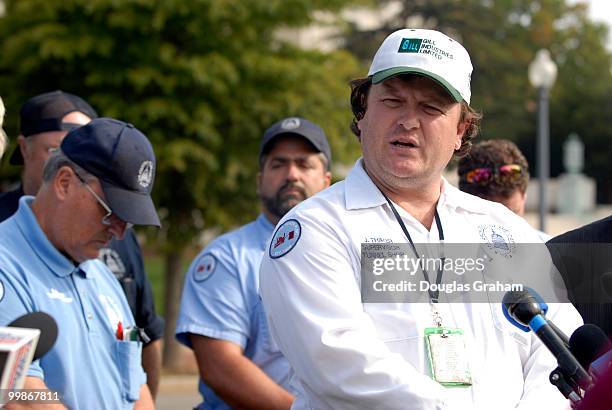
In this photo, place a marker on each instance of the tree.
(201, 78)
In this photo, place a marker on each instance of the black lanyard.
(433, 295)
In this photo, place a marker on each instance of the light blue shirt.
(88, 366)
(221, 300)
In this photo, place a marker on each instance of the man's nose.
(293, 172)
(408, 118)
(118, 227)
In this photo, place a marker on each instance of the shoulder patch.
(285, 238)
(204, 267)
(1, 290)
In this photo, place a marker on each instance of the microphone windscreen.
(587, 343)
(47, 326)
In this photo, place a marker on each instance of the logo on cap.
(410, 45)
(145, 174)
(290, 124)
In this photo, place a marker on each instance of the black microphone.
(590, 345)
(48, 330)
(525, 309)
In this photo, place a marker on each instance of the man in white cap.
(412, 115)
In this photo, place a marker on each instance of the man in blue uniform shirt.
(93, 186)
(221, 316)
(45, 120)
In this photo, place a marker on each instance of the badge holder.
(448, 359)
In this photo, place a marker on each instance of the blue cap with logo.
(122, 158)
(301, 127)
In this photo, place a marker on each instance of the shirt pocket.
(128, 356)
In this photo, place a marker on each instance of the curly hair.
(493, 154)
(359, 97)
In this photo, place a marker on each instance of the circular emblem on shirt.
(1, 290)
(145, 174)
(290, 123)
(204, 268)
(286, 237)
(111, 258)
(498, 239)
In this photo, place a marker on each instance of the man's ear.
(461, 129)
(258, 181)
(327, 177)
(23, 147)
(63, 182)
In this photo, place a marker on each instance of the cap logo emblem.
(423, 46)
(290, 123)
(145, 174)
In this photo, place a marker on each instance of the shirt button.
(89, 316)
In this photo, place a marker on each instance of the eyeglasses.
(106, 219)
(509, 173)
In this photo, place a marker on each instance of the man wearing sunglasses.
(97, 183)
(498, 171)
(45, 120)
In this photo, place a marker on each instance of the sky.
(601, 11)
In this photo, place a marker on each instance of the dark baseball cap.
(122, 158)
(300, 127)
(44, 113)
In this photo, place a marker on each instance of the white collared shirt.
(348, 354)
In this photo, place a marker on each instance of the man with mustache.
(221, 316)
(97, 183)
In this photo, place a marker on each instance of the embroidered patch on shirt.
(498, 238)
(285, 238)
(204, 268)
(56, 294)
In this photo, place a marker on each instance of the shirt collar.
(40, 244)
(453, 198)
(265, 224)
(361, 192)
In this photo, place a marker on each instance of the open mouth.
(406, 144)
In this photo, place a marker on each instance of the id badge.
(448, 357)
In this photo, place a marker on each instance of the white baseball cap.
(426, 52)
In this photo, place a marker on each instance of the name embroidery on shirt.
(56, 294)
(286, 237)
(204, 267)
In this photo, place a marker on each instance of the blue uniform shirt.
(221, 300)
(124, 258)
(88, 366)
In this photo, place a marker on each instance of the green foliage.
(502, 37)
(201, 78)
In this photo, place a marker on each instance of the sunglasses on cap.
(504, 173)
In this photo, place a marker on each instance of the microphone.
(48, 330)
(543, 311)
(524, 307)
(592, 348)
